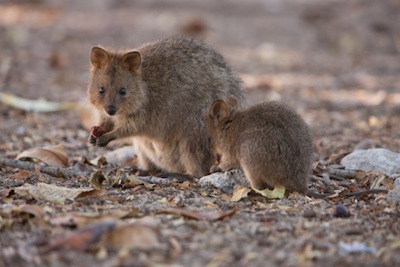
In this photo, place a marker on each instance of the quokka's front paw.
(92, 140)
(103, 140)
(96, 132)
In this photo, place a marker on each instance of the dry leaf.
(48, 192)
(185, 185)
(285, 208)
(211, 216)
(51, 155)
(99, 181)
(34, 210)
(309, 253)
(378, 180)
(138, 181)
(133, 236)
(239, 192)
(278, 192)
(85, 218)
(21, 175)
(5, 192)
(81, 239)
(225, 197)
(388, 183)
(38, 105)
(176, 247)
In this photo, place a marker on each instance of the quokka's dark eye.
(102, 90)
(122, 91)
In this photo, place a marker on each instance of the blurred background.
(336, 62)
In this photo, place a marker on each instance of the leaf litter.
(51, 155)
(341, 79)
(38, 105)
(49, 192)
(213, 215)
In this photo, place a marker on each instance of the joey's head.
(218, 122)
(116, 85)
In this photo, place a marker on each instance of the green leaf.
(278, 192)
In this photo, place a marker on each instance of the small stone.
(309, 213)
(394, 195)
(341, 211)
(377, 159)
(178, 201)
(225, 180)
(355, 248)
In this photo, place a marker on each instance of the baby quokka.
(270, 142)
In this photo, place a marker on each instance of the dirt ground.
(337, 63)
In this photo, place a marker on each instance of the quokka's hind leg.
(145, 165)
(257, 179)
(196, 164)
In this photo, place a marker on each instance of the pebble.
(396, 182)
(355, 248)
(341, 211)
(377, 159)
(309, 213)
(394, 195)
(225, 180)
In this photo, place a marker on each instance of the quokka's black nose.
(111, 110)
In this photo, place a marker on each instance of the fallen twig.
(155, 180)
(366, 192)
(349, 174)
(324, 179)
(51, 170)
(336, 177)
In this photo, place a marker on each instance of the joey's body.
(159, 94)
(269, 141)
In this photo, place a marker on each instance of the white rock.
(394, 195)
(354, 248)
(225, 180)
(377, 159)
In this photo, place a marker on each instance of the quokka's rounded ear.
(132, 60)
(219, 110)
(99, 57)
(232, 102)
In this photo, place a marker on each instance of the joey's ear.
(99, 57)
(132, 61)
(219, 110)
(232, 102)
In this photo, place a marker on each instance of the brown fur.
(169, 86)
(269, 141)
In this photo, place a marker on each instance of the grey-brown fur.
(170, 85)
(269, 141)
